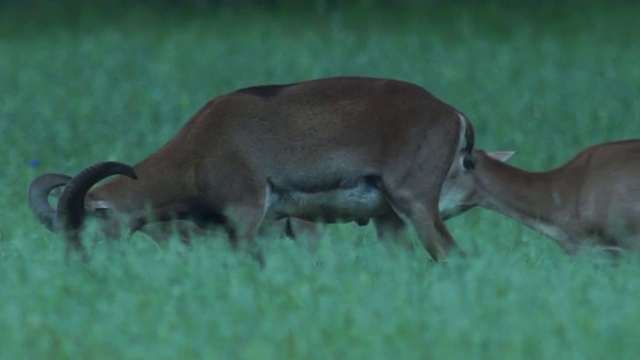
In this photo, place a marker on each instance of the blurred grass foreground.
(87, 81)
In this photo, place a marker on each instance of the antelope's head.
(460, 189)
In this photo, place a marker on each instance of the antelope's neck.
(538, 199)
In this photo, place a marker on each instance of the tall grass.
(542, 80)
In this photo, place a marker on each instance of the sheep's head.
(71, 212)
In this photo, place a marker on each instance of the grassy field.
(543, 81)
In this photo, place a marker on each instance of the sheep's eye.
(103, 213)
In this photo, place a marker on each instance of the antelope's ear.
(501, 156)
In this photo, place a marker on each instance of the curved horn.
(38, 195)
(71, 203)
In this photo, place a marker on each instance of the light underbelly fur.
(358, 203)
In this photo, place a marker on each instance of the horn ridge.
(71, 203)
(38, 197)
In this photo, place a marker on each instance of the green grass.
(546, 82)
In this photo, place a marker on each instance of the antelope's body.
(337, 149)
(592, 199)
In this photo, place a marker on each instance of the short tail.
(469, 137)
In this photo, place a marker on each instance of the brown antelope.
(592, 199)
(336, 149)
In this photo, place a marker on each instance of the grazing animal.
(51, 185)
(593, 199)
(335, 149)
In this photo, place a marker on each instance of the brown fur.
(594, 198)
(247, 150)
